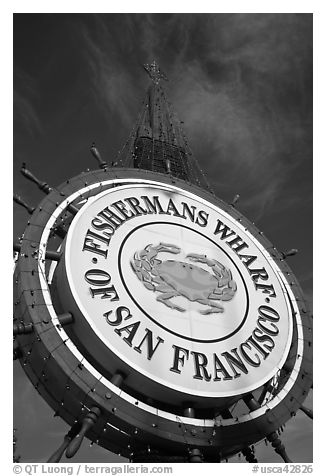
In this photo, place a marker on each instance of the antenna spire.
(157, 141)
(154, 72)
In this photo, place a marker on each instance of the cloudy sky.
(242, 85)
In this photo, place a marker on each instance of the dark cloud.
(241, 83)
(24, 99)
(253, 83)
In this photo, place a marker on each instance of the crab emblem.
(177, 278)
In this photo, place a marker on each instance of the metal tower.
(157, 141)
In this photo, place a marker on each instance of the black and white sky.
(242, 85)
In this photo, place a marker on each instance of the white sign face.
(178, 290)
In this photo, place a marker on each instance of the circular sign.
(131, 359)
(174, 292)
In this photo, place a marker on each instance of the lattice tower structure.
(158, 143)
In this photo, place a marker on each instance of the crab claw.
(197, 258)
(168, 248)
